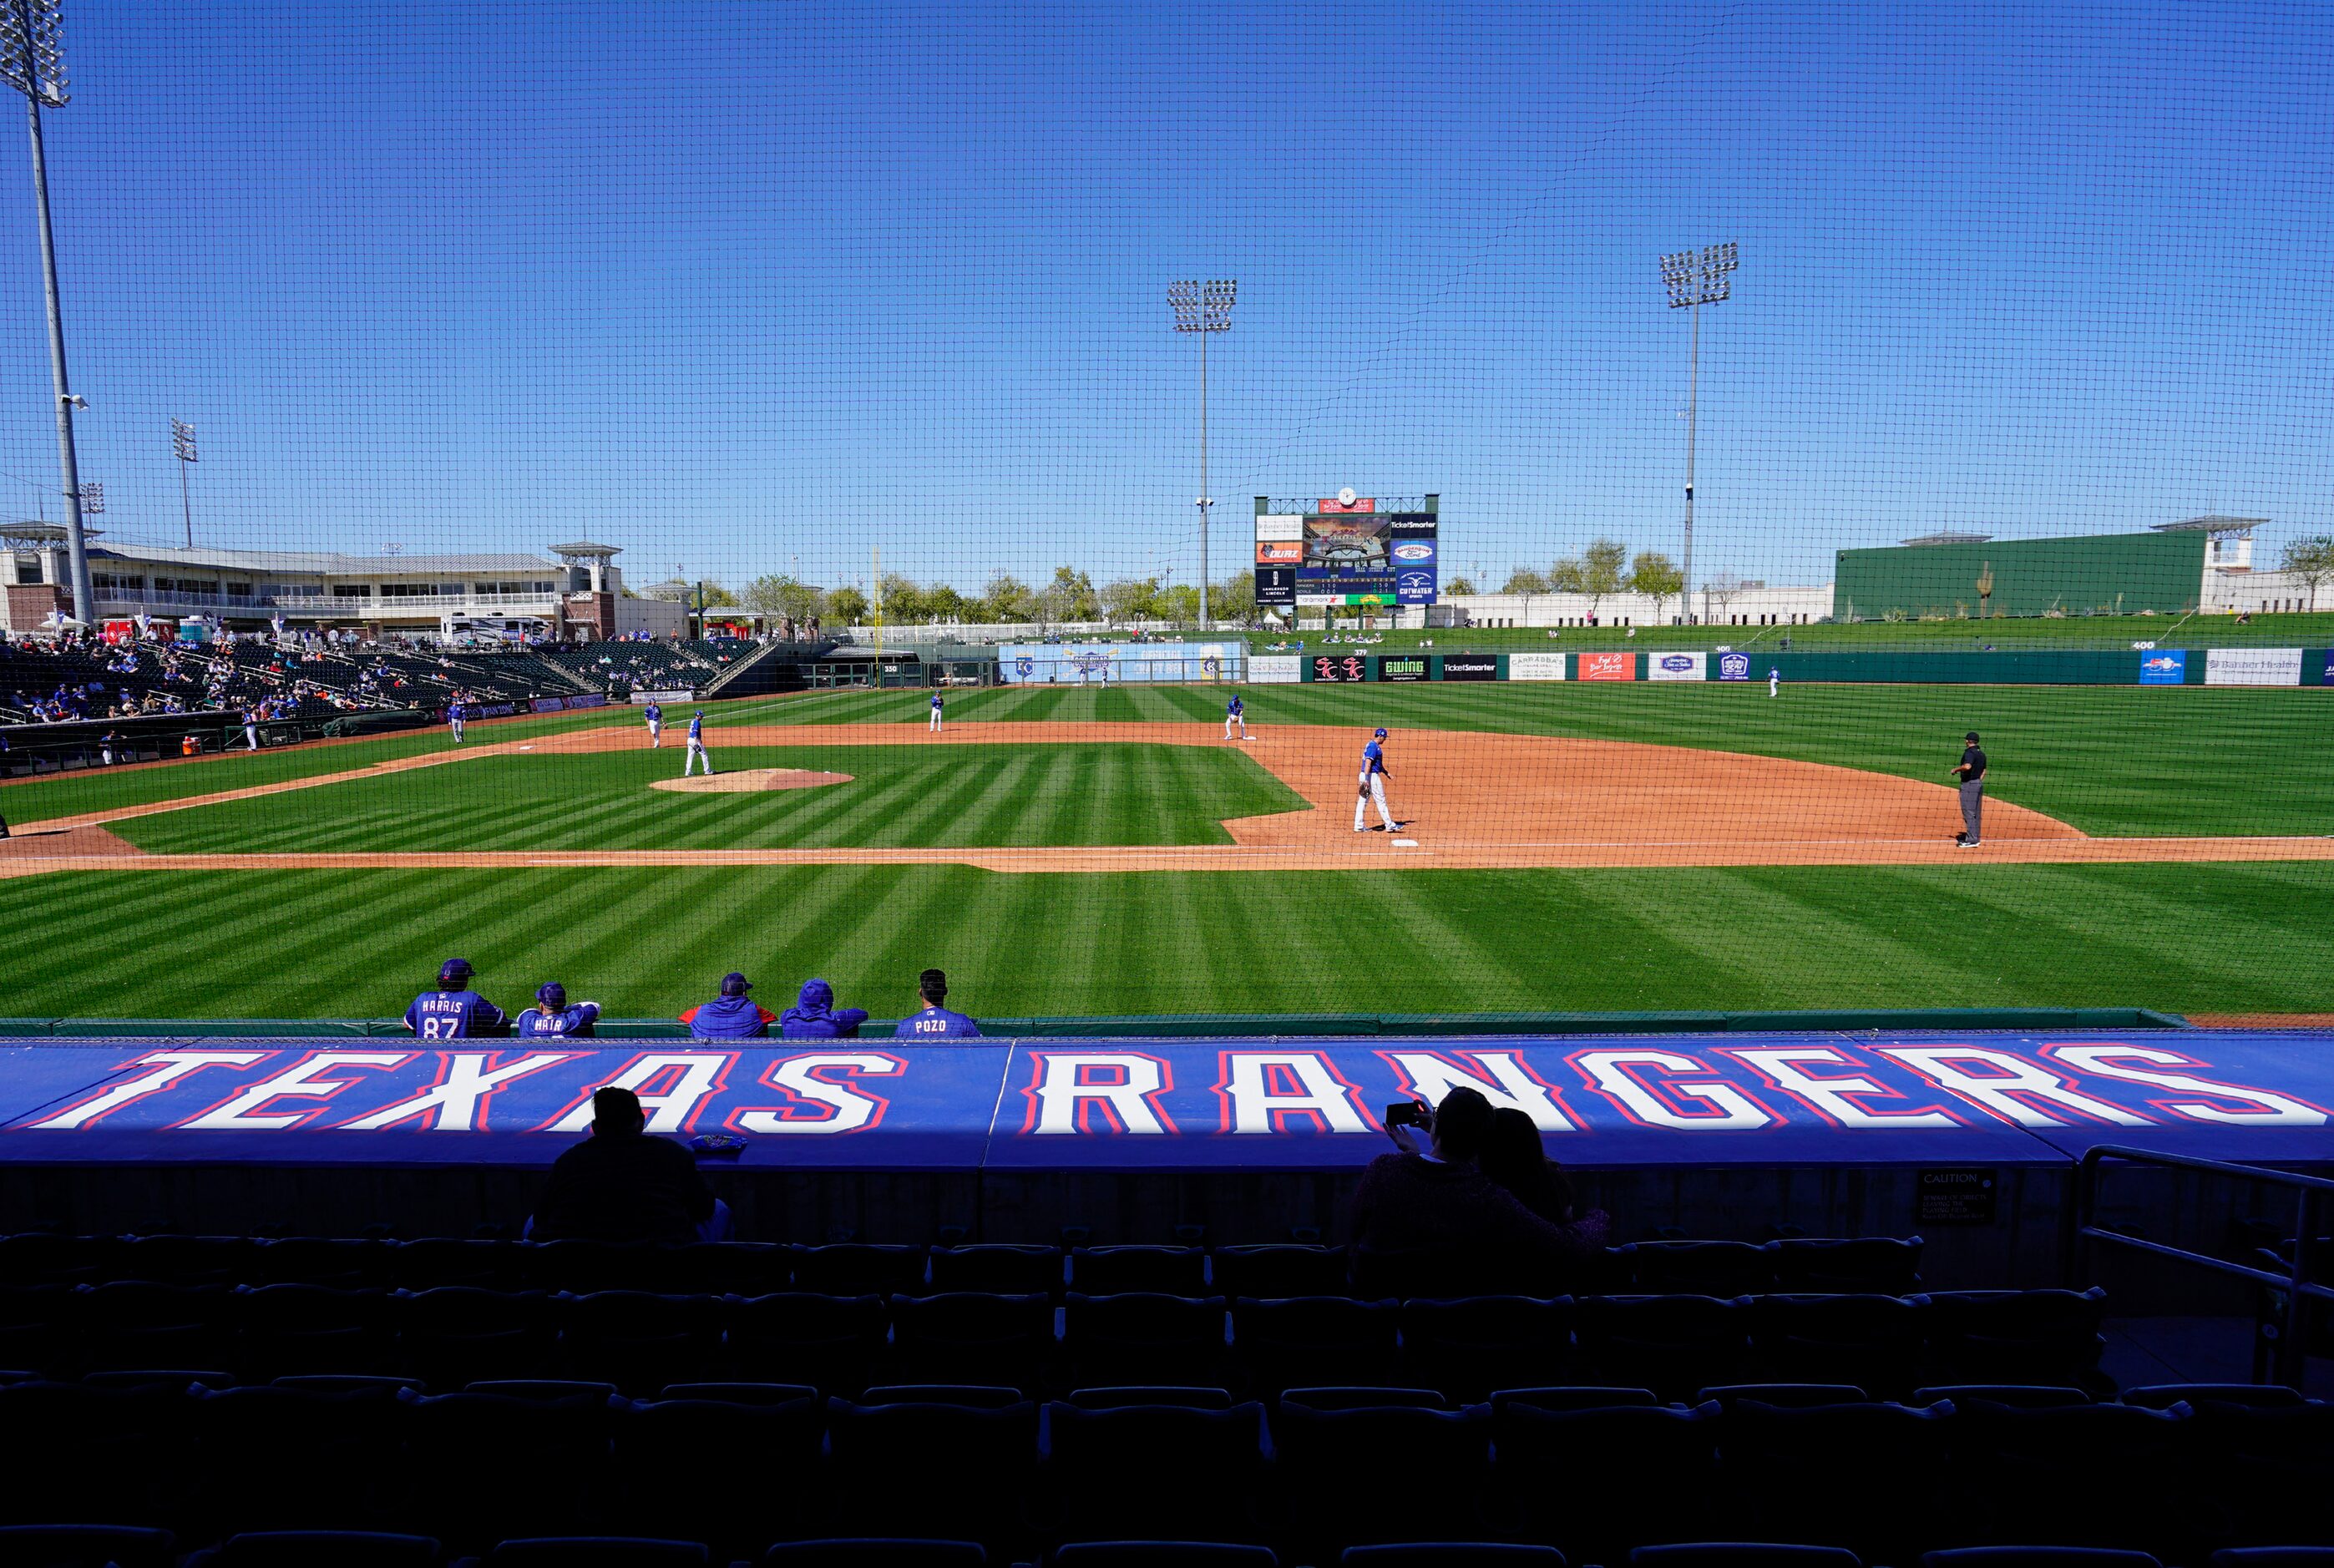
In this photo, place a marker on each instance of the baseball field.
(1068, 852)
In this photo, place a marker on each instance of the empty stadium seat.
(1162, 1554)
(637, 1341)
(1740, 1555)
(2035, 1336)
(314, 1548)
(1870, 1265)
(2036, 1557)
(1139, 1336)
(942, 1472)
(455, 1335)
(795, 1335)
(1303, 1341)
(2019, 1396)
(1673, 1344)
(1207, 1466)
(997, 1269)
(1715, 1268)
(874, 1552)
(860, 1268)
(2261, 1396)
(1452, 1555)
(596, 1552)
(1323, 1454)
(1117, 1270)
(1573, 1397)
(711, 1469)
(1873, 1341)
(1621, 1464)
(2020, 1466)
(1470, 1346)
(285, 1330)
(87, 1546)
(1882, 1464)
(1111, 1399)
(548, 1460)
(1276, 1271)
(1782, 1396)
(966, 1336)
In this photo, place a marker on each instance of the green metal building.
(1955, 574)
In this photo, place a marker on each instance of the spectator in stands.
(732, 1016)
(1438, 1197)
(1515, 1157)
(552, 1016)
(814, 1016)
(622, 1184)
(453, 1011)
(936, 1021)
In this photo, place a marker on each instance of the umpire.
(1972, 770)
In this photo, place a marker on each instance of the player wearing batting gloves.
(1373, 785)
(1236, 713)
(453, 1011)
(551, 1016)
(696, 752)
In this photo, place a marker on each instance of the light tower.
(32, 61)
(1203, 308)
(182, 447)
(1696, 279)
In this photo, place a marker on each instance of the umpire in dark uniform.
(1970, 770)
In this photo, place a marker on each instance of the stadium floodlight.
(1695, 279)
(182, 447)
(1203, 308)
(33, 62)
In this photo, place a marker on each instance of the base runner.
(1373, 785)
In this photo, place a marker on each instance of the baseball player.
(1236, 713)
(453, 1011)
(551, 1016)
(454, 717)
(1372, 785)
(1774, 681)
(936, 1021)
(938, 707)
(251, 727)
(697, 751)
(655, 715)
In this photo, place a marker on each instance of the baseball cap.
(1970, 737)
(1381, 734)
(454, 971)
(551, 994)
(733, 983)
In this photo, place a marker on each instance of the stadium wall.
(2119, 572)
(2269, 666)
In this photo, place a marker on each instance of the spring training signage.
(1971, 1099)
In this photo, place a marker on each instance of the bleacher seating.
(519, 1402)
(620, 668)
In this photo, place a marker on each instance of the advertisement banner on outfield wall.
(1118, 663)
(641, 698)
(548, 705)
(1536, 666)
(1608, 666)
(2252, 666)
(1276, 668)
(1352, 666)
(2167, 667)
(1470, 667)
(1734, 667)
(1677, 667)
(1402, 667)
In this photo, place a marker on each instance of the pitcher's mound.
(747, 781)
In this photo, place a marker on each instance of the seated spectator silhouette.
(552, 1016)
(936, 1021)
(1515, 1157)
(453, 1011)
(622, 1184)
(814, 1016)
(1437, 1198)
(732, 1016)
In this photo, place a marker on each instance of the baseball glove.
(1362, 792)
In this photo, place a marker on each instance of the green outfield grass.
(649, 942)
(1108, 793)
(2110, 760)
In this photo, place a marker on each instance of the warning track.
(1469, 799)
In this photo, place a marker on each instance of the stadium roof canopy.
(2211, 524)
(323, 563)
(1948, 538)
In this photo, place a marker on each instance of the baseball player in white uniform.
(696, 752)
(939, 708)
(1774, 681)
(1236, 713)
(1373, 785)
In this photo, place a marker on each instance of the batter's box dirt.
(746, 780)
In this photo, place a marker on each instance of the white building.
(1724, 603)
(577, 587)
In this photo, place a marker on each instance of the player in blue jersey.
(1372, 785)
(696, 752)
(454, 717)
(1236, 713)
(936, 1021)
(453, 1011)
(655, 715)
(732, 1016)
(551, 1016)
(939, 708)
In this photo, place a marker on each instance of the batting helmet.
(454, 973)
(552, 995)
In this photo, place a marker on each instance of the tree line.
(1070, 595)
(1599, 572)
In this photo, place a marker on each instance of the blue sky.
(738, 284)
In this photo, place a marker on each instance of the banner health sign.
(1112, 663)
(1611, 1100)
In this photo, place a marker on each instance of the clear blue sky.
(730, 285)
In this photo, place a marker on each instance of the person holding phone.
(1432, 1192)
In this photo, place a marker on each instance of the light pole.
(32, 61)
(1203, 308)
(1696, 279)
(182, 444)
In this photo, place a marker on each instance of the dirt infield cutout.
(746, 780)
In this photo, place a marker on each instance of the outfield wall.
(2258, 667)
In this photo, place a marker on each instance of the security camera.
(76, 399)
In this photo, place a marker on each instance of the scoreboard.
(1347, 550)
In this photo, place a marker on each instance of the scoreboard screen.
(1346, 550)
